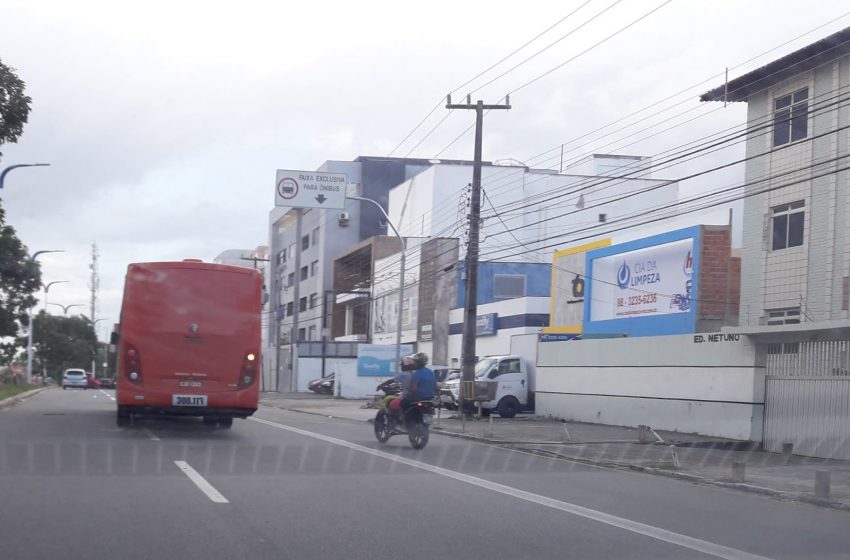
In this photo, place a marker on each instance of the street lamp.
(11, 167)
(32, 259)
(401, 276)
(65, 308)
(47, 288)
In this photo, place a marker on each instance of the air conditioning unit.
(343, 219)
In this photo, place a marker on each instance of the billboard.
(652, 281)
(566, 304)
(378, 360)
(644, 287)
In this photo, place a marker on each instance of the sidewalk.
(700, 459)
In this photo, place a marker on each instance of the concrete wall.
(703, 383)
(348, 384)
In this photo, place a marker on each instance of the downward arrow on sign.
(321, 198)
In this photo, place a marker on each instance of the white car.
(75, 378)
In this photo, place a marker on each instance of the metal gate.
(807, 398)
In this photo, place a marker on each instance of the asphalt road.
(289, 485)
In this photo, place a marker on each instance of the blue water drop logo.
(624, 274)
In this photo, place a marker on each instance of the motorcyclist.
(423, 382)
(403, 378)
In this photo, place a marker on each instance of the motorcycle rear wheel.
(382, 430)
(418, 435)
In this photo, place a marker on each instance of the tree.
(63, 342)
(20, 278)
(14, 105)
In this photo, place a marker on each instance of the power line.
(621, 119)
(483, 72)
(549, 46)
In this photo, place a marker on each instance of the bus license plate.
(189, 400)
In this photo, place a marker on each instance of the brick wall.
(719, 280)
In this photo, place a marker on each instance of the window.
(787, 225)
(314, 300)
(305, 242)
(315, 236)
(312, 331)
(281, 256)
(785, 316)
(289, 309)
(301, 334)
(314, 268)
(304, 272)
(302, 304)
(508, 286)
(791, 117)
(291, 251)
(290, 279)
(506, 366)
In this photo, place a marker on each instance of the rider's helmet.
(415, 361)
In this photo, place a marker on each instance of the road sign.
(310, 189)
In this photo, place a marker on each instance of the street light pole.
(11, 167)
(65, 308)
(32, 259)
(47, 288)
(401, 276)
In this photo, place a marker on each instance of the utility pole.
(470, 322)
(94, 284)
(296, 304)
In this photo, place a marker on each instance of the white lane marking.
(150, 435)
(201, 483)
(657, 533)
(108, 395)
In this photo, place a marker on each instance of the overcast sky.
(164, 122)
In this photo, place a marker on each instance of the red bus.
(189, 342)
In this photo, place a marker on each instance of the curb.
(313, 412)
(693, 478)
(697, 479)
(12, 401)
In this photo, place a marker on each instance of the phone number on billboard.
(643, 299)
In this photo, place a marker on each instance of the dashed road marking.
(201, 483)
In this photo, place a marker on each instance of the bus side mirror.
(115, 338)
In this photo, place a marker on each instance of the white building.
(796, 250)
(534, 204)
(234, 257)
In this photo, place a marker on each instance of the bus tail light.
(133, 364)
(249, 369)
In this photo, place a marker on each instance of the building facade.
(796, 248)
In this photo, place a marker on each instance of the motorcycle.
(415, 420)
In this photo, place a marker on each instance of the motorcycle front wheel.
(382, 431)
(418, 435)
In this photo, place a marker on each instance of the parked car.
(75, 378)
(92, 381)
(107, 383)
(323, 385)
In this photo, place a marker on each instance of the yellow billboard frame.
(568, 329)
